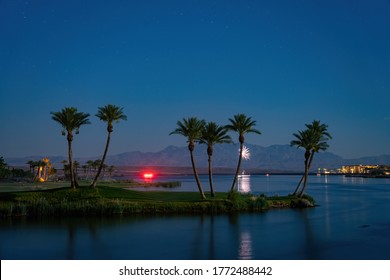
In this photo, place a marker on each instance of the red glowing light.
(148, 175)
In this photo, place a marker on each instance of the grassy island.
(113, 199)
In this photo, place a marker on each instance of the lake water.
(352, 221)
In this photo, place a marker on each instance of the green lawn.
(18, 187)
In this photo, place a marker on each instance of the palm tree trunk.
(211, 178)
(36, 175)
(299, 184)
(202, 196)
(303, 176)
(72, 178)
(237, 170)
(39, 171)
(306, 176)
(93, 185)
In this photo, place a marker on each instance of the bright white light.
(246, 153)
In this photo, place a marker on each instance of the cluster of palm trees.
(89, 168)
(71, 120)
(198, 131)
(41, 169)
(93, 165)
(313, 139)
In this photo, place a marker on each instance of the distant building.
(366, 169)
(326, 171)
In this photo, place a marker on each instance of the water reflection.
(353, 180)
(244, 183)
(310, 245)
(352, 221)
(203, 242)
(87, 233)
(245, 246)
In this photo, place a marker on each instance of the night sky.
(284, 63)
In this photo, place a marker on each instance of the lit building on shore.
(365, 169)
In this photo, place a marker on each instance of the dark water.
(352, 221)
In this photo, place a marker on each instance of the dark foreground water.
(352, 221)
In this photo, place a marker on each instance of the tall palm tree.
(242, 125)
(321, 130)
(191, 128)
(109, 114)
(213, 134)
(71, 120)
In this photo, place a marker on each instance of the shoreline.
(106, 200)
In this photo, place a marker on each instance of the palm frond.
(70, 119)
(242, 124)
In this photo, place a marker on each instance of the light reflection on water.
(245, 248)
(244, 183)
(257, 184)
(352, 221)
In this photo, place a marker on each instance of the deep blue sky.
(284, 63)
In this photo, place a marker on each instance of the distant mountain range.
(272, 158)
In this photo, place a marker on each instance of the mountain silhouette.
(275, 157)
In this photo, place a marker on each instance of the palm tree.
(41, 167)
(47, 168)
(31, 164)
(85, 169)
(70, 120)
(90, 165)
(76, 166)
(65, 168)
(111, 169)
(35, 164)
(323, 135)
(304, 139)
(213, 134)
(312, 141)
(242, 125)
(191, 128)
(95, 165)
(109, 114)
